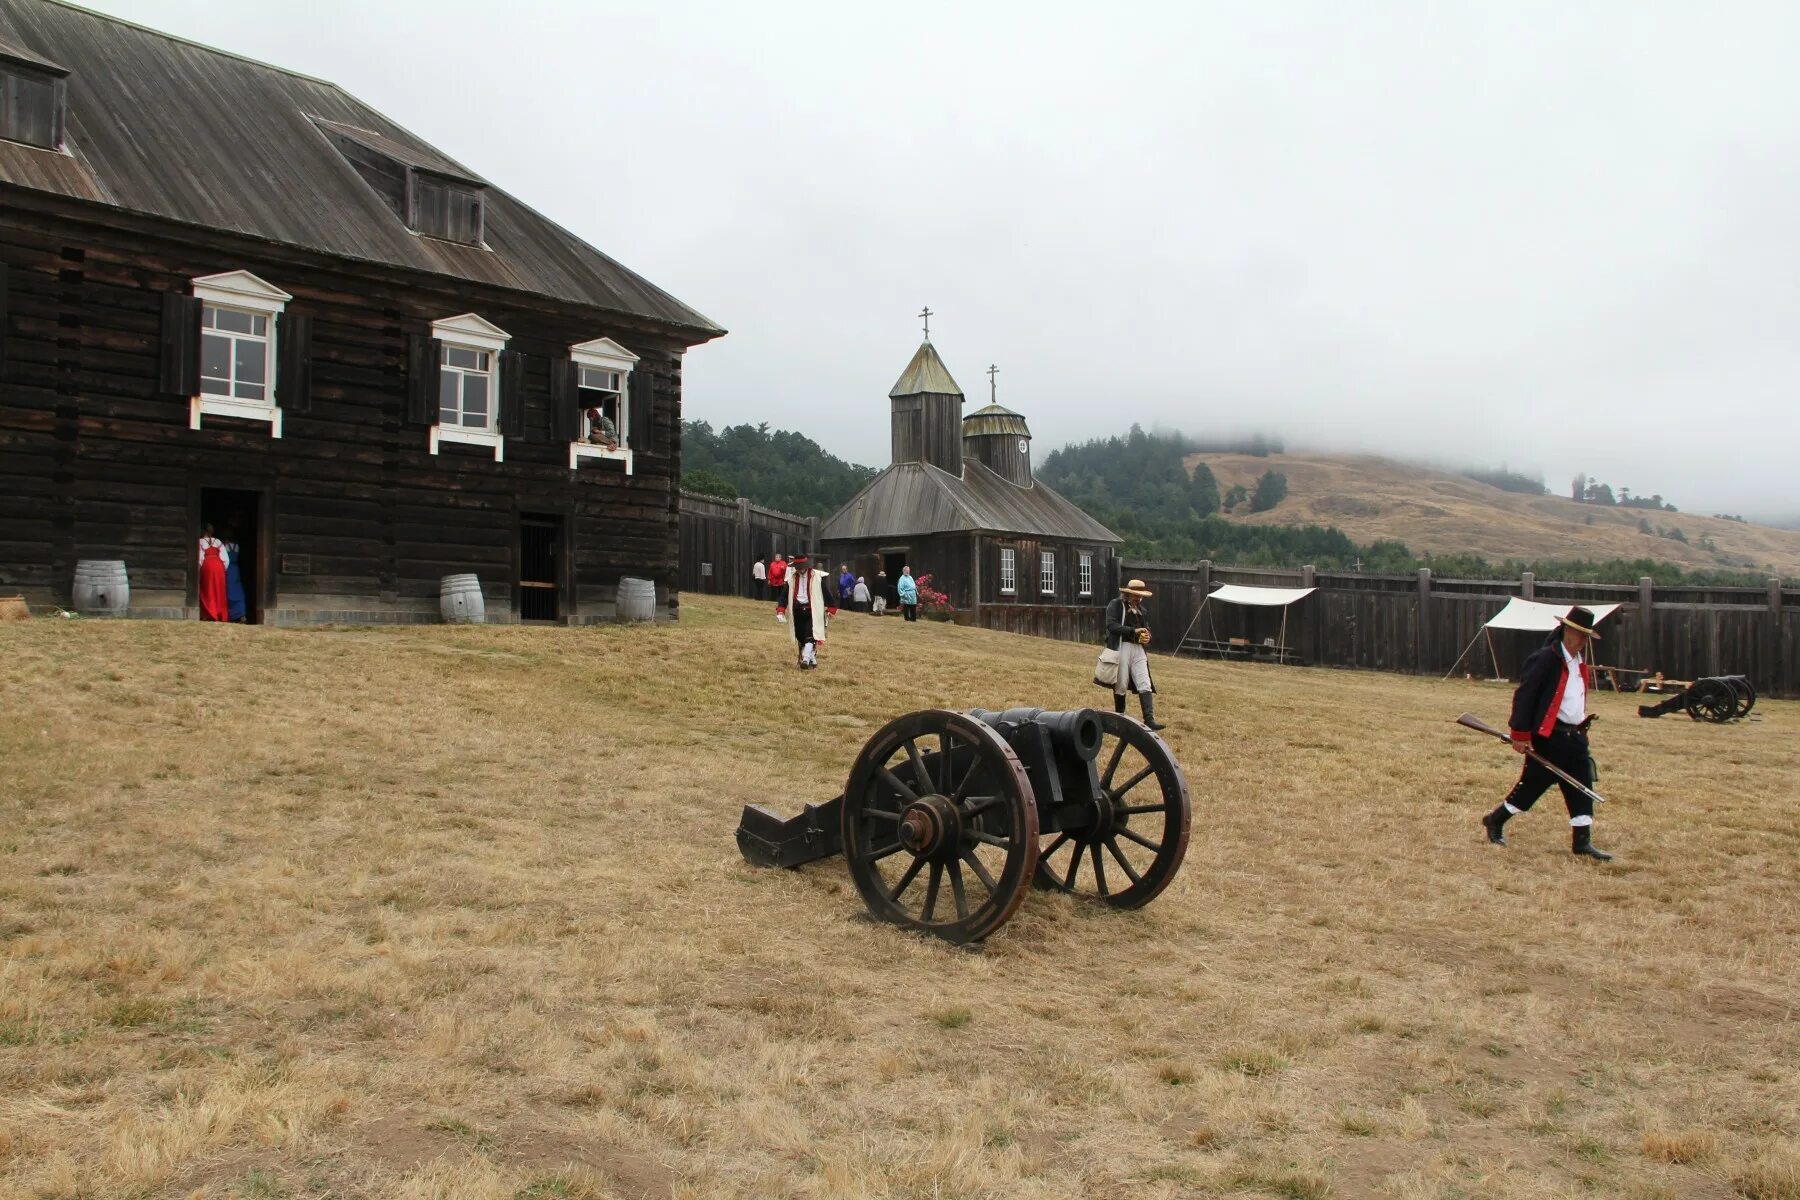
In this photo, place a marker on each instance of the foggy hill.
(1434, 511)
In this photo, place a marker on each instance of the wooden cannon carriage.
(947, 817)
(1716, 698)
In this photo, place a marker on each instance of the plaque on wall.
(296, 564)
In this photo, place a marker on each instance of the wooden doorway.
(236, 518)
(540, 567)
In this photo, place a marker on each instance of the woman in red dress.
(213, 557)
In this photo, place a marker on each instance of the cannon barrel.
(1076, 731)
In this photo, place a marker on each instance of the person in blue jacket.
(909, 594)
(235, 604)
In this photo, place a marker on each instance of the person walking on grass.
(1549, 715)
(878, 594)
(846, 584)
(1128, 632)
(808, 596)
(859, 595)
(760, 573)
(778, 570)
(909, 595)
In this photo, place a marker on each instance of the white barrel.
(102, 588)
(637, 599)
(459, 598)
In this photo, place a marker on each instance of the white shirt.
(1574, 697)
(216, 544)
(759, 571)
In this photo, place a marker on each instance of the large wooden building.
(959, 503)
(236, 296)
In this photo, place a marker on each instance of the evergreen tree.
(1271, 489)
(1203, 491)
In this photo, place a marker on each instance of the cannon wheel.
(1746, 694)
(940, 825)
(1711, 699)
(1140, 833)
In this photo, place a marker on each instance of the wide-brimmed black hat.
(1581, 620)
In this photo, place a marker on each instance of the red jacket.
(777, 572)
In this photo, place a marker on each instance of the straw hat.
(1581, 620)
(1135, 587)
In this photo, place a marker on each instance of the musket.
(1480, 726)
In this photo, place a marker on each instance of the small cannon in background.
(1717, 698)
(947, 817)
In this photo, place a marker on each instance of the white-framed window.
(466, 387)
(1009, 570)
(1086, 563)
(238, 328)
(469, 383)
(1047, 572)
(603, 393)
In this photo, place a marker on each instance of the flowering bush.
(933, 603)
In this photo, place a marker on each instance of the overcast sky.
(1559, 236)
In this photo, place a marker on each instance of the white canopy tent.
(1256, 597)
(1527, 615)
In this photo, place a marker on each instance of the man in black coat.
(1549, 715)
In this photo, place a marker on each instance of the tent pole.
(1492, 654)
(1463, 655)
(1281, 650)
(1191, 624)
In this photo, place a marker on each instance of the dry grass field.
(456, 912)
(1438, 512)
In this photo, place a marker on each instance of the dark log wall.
(722, 539)
(1420, 624)
(928, 428)
(360, 520)
(1068, 572)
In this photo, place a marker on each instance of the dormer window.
(31, 105)
(441, 207)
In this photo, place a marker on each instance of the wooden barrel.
(636, 600)
(459, 598)
(102, 588)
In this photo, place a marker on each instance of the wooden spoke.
(893, 781)
(931, 891)
(1140, 839)
(1119, 793)
(906, 879)
(981, 872)
(956, 890)
(962, 789)
(881, 814)
(1074, 870)
(981, 804)
(918, 766)
(1053, 847)
(1106, 776)
(1138, 810)
(1099, 870)
(1125, 863)
(877, 855)
(988, 839)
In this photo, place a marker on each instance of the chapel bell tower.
(927, 411)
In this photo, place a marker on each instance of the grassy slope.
(1438, 512)
(456, 912)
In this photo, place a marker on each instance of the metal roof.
(925, 373)
(166, 127)
(995, 419)
(909, 499)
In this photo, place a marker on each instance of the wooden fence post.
(1774, 657)
(1527, 585)
(1423, 641)
(1647, 621)
(740, 585)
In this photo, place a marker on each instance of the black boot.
(1148, 700)
(1584, 844)
(1118, 702)
(1495, 823)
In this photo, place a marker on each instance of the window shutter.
(293, 381)
(180, 345)
(565, 401)
(423, 355)
(643, 410)
(512, 394)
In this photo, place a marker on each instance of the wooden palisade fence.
(722, 539)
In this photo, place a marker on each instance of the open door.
(540, 567)
(235, 516)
